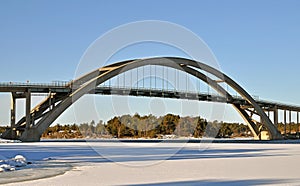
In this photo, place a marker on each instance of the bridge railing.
(289, 106)
(174, 91)
(255, 97)
(30, 84)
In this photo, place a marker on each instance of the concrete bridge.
(62, 95)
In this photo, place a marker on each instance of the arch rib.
(87, 83)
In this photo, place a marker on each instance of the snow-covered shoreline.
(39, 170)
(121, 163)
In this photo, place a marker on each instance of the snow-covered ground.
(113, 163)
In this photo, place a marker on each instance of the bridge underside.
(60, 97)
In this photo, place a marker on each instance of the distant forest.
(168, 126)
(136, 126)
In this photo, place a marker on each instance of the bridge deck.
(62, 87)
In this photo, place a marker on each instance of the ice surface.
(113, 163)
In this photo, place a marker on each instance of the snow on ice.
(11, 164)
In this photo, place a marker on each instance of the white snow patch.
(9, 141)
(7, 167)
(11, 164)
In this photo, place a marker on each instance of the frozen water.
(113, 163)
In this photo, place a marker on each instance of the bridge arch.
(88, 82)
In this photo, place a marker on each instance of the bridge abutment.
(30, 135)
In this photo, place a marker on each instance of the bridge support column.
(28, 108)
(290, 122)
(51, 104)
(285, 123)
(297, 122)
(13, 115)
(276, 117)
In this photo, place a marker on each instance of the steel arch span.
(52, 107)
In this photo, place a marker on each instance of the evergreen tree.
(200, 128)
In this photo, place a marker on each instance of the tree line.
(149, 126)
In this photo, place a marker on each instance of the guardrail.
(29, 84)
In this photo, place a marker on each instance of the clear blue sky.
(256, 42)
